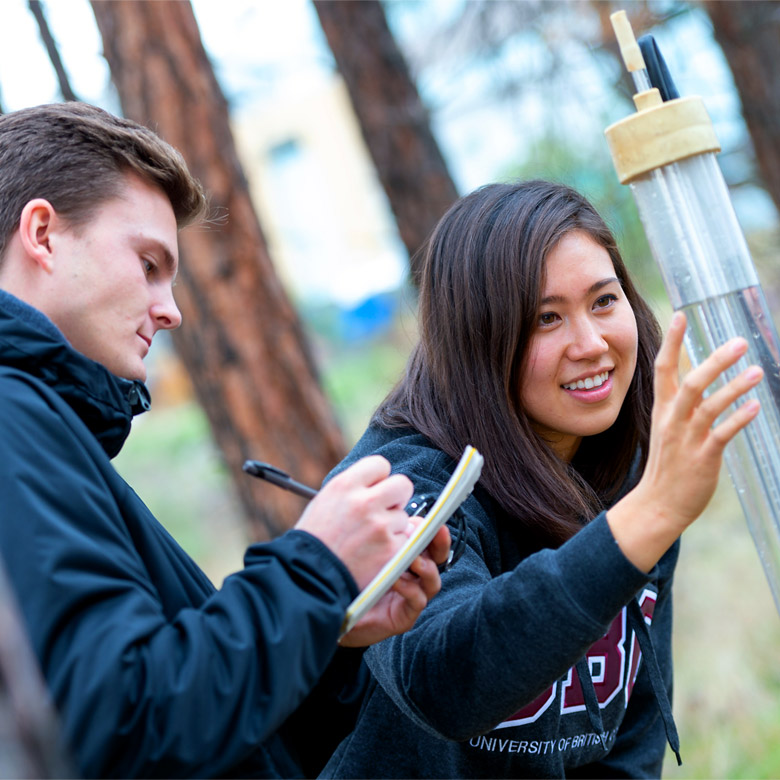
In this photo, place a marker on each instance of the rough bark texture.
(392, 117)
(241, 341)
(749, 34)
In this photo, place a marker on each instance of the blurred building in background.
(328, 224)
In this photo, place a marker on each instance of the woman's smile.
(582, 355)
(591, 389)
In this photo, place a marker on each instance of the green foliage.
(171, 459)
(356, 378)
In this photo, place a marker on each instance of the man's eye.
(148, 266)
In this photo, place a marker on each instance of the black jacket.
(525, 665)
(152, 670)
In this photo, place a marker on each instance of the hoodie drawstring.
(637, 622)
(591, 700)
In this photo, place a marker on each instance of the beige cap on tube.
(660, 132)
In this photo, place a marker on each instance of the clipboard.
(454, 493)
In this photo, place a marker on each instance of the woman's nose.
(587, 341)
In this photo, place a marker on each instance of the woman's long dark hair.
(481, 285)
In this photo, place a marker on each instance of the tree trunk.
(749, 34)
(241, 342)
(391, 115)
(51, 49)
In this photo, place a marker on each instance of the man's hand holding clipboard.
(456, 490)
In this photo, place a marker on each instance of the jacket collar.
(31, 342)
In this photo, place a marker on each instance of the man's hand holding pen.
(360, 515)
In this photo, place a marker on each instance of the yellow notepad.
(455, 492)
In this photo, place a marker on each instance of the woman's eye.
(548, 318)
(605, 301)
(148, 266)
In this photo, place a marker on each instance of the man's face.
(115, 275)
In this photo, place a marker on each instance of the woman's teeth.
(589, 383)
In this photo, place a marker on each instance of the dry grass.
(727, 645)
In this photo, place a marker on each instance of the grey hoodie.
(527, 664)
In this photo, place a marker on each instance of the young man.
(153, 671)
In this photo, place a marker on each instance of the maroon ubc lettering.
(606, 659)
(647, 605)
(612, 670)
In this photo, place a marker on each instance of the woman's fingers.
(667, 360)
(686, 447)
(700, 378)
(688, 394)
(735, 422)
(716, 403)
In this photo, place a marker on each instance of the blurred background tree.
(749, 35)
(243, 345)
(497, 89)
(392, 118)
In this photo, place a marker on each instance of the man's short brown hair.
(76, 156)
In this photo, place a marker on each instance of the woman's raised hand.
(686, 447)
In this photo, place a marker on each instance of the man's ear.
(36, 226)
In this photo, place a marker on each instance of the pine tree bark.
(392, 117)
(749, 34)
(36, 9)
(241, 341)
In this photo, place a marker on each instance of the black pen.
(277, 477)
(415, 507)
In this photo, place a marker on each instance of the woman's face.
(582, 355)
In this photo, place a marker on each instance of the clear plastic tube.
(708, 273)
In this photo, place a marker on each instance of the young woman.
(548, 651)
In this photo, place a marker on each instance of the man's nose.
(166, 313)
